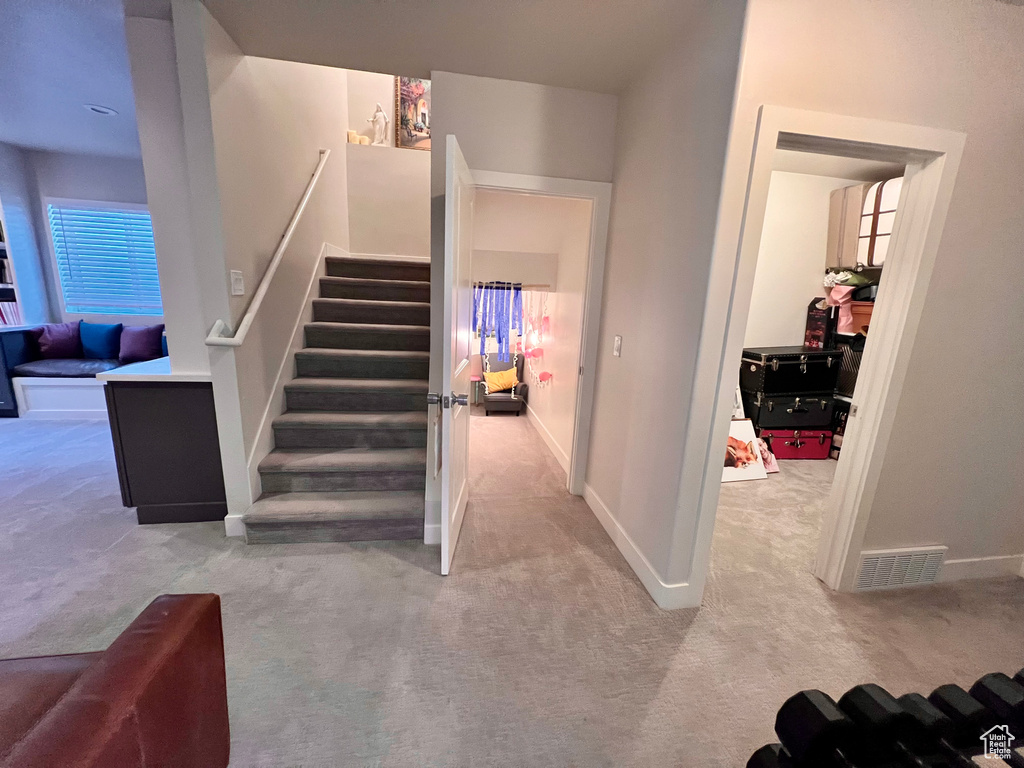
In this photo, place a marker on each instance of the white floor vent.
(886, 568)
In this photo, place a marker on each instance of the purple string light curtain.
(498, 309)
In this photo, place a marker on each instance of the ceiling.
(568, 43)
(56, 56)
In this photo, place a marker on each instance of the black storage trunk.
(789, 370)
(789, 411)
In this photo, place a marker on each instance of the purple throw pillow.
(59, 341)
(141, 342)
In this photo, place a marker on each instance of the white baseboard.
(432, 533)
(669, 596)
(264, 442)
(432, 521)
(560, 455)
(233, 526)
(43, 398)
(982, 567)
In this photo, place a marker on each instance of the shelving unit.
(10, 312)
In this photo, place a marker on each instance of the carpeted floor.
(542, 648)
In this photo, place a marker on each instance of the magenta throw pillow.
(141, 342)
(59, 341)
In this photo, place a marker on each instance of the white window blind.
(106, 259)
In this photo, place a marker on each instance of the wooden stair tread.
(359, 385)
(335, 506)
(408, 261)
(372, 281)
(344, 460)
(391, 354)
(356, 420)
(328, 325)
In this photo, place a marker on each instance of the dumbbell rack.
(870, 728)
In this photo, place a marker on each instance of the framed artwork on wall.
(412, 113)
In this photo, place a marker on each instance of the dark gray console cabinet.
(168, 455)
(14, 350)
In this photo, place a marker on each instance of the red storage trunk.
(798, 443)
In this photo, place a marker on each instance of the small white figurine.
(380, 122)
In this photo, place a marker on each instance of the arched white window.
(876, 221)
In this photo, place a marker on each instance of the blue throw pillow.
(99, 341)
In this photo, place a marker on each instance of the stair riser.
(314, 366)
(347, 339)
(381, 271)
(328, 312)
(417, 292)
(360, 402)
(391, 480)
(348, 530)
(366, 439)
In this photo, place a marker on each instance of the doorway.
(529, 272)
(467, 190)
(931, 158)
(820, 264)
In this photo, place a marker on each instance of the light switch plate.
(617, 347)
(237, 283)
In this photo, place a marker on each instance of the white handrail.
(219, 334)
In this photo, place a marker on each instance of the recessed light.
(99, 109)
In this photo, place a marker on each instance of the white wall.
(791, 259)
(253, 131)
(524, 128)
(388, 200)
(19, 205)
(668, 169)
(161, 135)
(270, 119)
(365, 91)
(516, 128)
(527, 229)
(515, 267)
(27, 179)
(970, 503)
(865, 60)
(91, 178)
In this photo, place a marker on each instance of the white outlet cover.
(617, 347)
(237, 283)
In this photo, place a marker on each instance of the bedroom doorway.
(528, 253)
(931, 158)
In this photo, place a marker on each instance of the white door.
(458, 315)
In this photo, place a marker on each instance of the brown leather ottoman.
(156, 697)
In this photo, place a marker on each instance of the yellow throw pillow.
(500, 380)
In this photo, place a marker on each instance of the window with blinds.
(106, 259)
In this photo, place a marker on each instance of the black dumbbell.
(958, 742)
(814, 730)
(894, 734)
(770, 756)
(1002, 695)
(968, 714)
(817, 733)
(1005, 697)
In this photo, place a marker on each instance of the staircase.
(349, 462)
